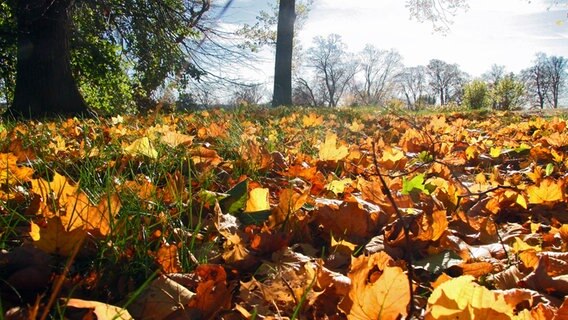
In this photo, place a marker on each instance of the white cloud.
(507, 32)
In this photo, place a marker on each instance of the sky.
(502, 32)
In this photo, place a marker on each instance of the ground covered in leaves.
(282, 213)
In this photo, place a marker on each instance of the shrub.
(508, 93)
(476, 95)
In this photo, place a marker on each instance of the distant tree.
(557, 66)
(537, 80)
(248, 94)
(374, 82)
(413, 84)
(508, 93)
(445, 79)
(476, 95)
(305, 94)
(494, 75)
(545, 79)
(333, 66)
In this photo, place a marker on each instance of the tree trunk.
(44, 82)
(284, 47)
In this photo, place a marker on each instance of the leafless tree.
(494, 75)
(446, 80)
(537, 80)
(545, 80)
(413, 85)
(374, 83)
(333, 66)
(248, 94)
(557, 66)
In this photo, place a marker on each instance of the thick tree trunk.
(284, 46)
(44, 82)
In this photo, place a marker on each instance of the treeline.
(329, 75)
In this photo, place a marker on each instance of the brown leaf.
(539, 280)
(160, 299)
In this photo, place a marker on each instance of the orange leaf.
(376, 294)
(212, 293)
(167, 258)
(10, 172)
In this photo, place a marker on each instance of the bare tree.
(494, 75)
(537, 80)
(374, 82)
(557, 67)
(445, 79)
(413, 85)
(545, 80)
(333, 66)
(248, 94)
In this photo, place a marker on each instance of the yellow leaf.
(258, 200)
(329, 150)
(142, 147)
(356, 126)
(495, 152)
(471, 152)
(80, 213)
(546, 192)
(520, 246)
(54, 194)
(312, 120)
(174, 139)
(461, 298)
(338, 186)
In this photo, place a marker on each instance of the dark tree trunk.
(284, 47)
(44, 82)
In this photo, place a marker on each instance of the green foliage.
(476, 95)
(7, 53)
(508, 93)
(122, 51)
(101, 73)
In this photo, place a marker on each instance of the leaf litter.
(280, 215)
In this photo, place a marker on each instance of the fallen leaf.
(548, 191)
(378, 291)
(258, 200)
(141, 147)
(461, 298)
(329, 151)
(101, 311)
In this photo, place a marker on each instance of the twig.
(405, 228)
